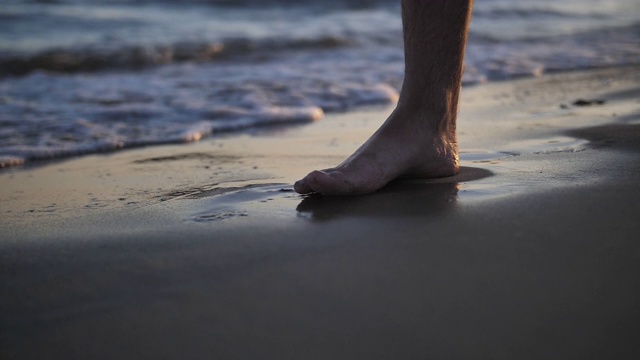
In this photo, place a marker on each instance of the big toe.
(315, 181)
(328, 183)
(302, 187)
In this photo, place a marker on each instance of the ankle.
(432, 126)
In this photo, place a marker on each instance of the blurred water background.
(85, 76)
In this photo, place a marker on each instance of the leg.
(418, 140)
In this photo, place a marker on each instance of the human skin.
(418, 139)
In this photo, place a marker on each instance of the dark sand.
(203, 251)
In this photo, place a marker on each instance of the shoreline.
(203, 250)
(15, 163)
(497, 121)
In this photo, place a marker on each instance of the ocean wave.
(84, 137)
(503, 13)
(46, 116)
(223, 3)
(91, 59)
(101, 78)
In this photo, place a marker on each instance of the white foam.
(276, 72)
(6, 161)
(264, 116)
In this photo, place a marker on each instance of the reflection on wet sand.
(399, 199)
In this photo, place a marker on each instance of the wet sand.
(204, 251)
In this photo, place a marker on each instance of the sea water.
(86, 76)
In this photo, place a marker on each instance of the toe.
(302, 187)
(327, 183)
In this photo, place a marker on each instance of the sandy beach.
(203, 251)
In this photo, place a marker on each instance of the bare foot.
(419, 139)
(405, 146)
